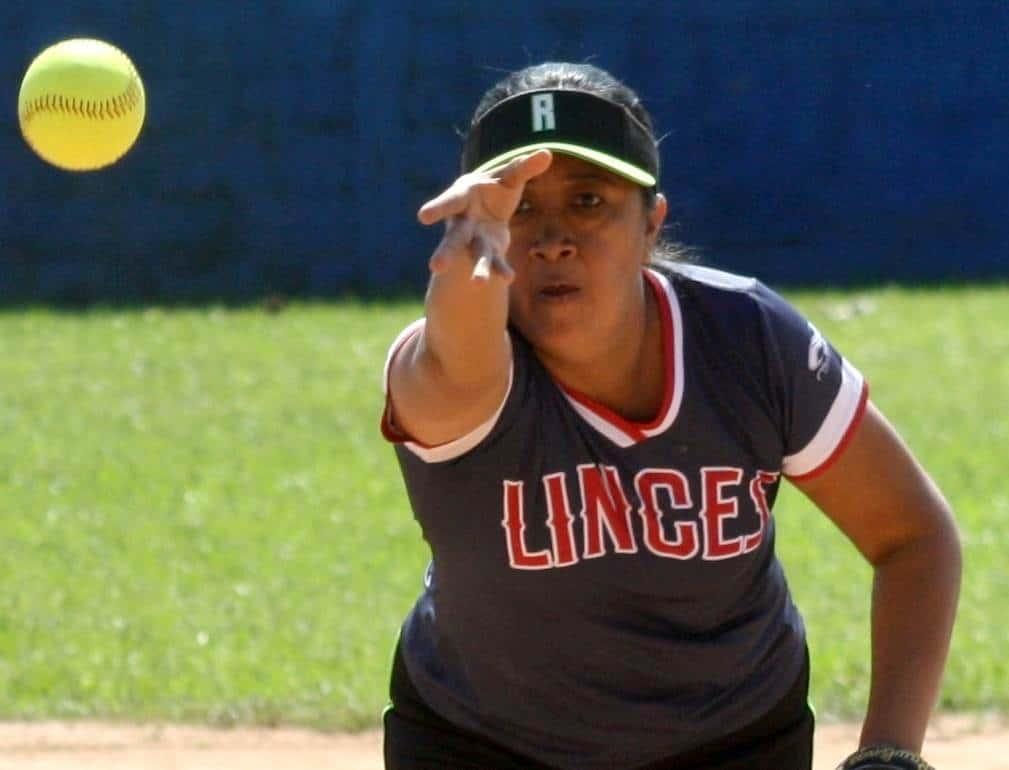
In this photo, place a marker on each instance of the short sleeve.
(450, 450)
(821, 396)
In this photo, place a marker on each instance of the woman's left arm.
(884, 501)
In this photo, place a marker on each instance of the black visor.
(571, 122)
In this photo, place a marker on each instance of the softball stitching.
(116, 107)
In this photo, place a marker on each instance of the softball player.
(592, 439)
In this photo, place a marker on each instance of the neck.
(625, 373)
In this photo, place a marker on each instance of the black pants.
(416, 738)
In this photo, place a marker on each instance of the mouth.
(558, 290)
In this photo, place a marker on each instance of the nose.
(552, 244)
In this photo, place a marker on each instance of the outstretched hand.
(476, 210)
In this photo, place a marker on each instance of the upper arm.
(877, 493)
(838, 447)
(430, 406)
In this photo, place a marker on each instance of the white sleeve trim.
(457, 447)
(834, 428)
(460, 446)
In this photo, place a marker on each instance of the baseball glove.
(884, 758)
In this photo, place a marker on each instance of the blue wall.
(288, 144)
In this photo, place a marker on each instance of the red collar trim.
(639, 431)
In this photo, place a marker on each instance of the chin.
(552, 325)
(555, 336)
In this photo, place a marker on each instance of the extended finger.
(523, 168)
(453, 245)
(489, 260)
(451, 202)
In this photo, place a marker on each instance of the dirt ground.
(954, 743)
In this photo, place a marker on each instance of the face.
(579, 239)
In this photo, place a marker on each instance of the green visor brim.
(608, 162)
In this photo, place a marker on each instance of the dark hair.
(590, 79)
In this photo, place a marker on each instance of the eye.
(588, 200)
(524, 207)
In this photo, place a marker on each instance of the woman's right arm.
(451, 376)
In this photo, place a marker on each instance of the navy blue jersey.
(604, 593)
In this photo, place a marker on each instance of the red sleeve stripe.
(842, 444)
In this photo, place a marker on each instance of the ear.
(656, 218)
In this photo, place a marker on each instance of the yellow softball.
(81, 104)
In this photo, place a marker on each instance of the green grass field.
(202, 523)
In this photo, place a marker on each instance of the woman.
(592, 442)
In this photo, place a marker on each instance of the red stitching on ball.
(106, 109)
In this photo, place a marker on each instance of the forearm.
(452, 377)
(914, 600)
(466, 321)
